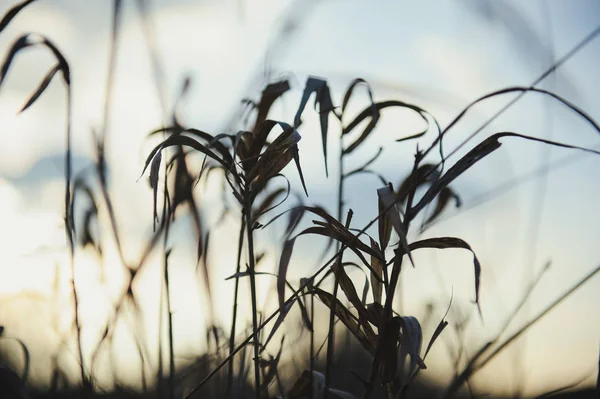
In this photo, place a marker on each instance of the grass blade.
(452, 242)
(269, 95)
(40, 89)
(323, 99)
(10, 14)
(388, 200)
(482, 150)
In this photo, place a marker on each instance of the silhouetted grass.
(389, 344)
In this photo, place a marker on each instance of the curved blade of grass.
(412, 337)
(438, 330)
(267, 203)
(473, 366)
(210, 140)
(350, 291)
(366, 164)
(350, 90)
(41, 88)
(388, 199)
(24, 42)
(346, 317)
(376, 274)
(10, 14)
(284, 262)
(180, 140)
(379, 176)
(521, 91)
(355, 245)
(482, 150)
(323, 99)
(303, 311)
(18, 45)
(452, 242)
(436, 334)
(268, 168)
(284, 144)
(370, 112)
(424, 174)
(269, 95)
(442, 202)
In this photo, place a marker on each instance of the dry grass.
(250, 160)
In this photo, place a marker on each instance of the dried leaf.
(424, 174)
(452, 242)
(375, 312)
(388, 363)
(412, 337)
(21, 43)
(384, 225)
(266, 203)
(350, 90)
(305, 316)
(154, 171)
(346, 318)
(282, 314)
(364, 167)
(203, 249)
(443, 199)
(349, 241)
(284, 262)
(276, 156)
(323, 99)
(209, 139)
(10, 14)
(438, 330)
(350, 291)
(269, 95)
(180, 140)
(480, 151)
(40, 89)
(370, 112)
(376, 274)
(302, 387)
(388, 199)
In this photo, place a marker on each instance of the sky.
(440, 55)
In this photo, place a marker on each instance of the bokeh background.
(525, 206)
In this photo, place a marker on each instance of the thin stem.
(235, 306)
(472, 367)
(331, 332)
(101, 166)
(171, 344)
(312, 346)
(306, 283)
(537, 81)
(166, 214)
(69, 228)
(160, 371)
(251, 272)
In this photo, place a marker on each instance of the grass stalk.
(70, 230)
(166, 220)
(235, 306)
(331, 330)
(473, 366)
(252, 275)
(312, 346)
(331, 333)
